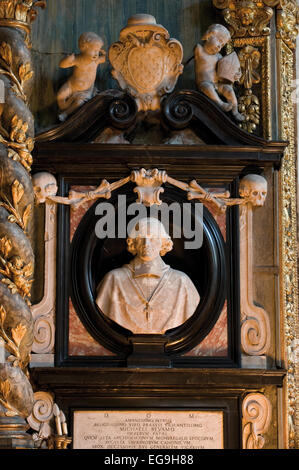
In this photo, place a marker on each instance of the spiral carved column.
(16, 210)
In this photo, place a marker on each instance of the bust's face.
(148, 248)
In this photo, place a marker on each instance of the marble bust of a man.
(146, 295)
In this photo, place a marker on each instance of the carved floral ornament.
(249, 105)
(253, 190)
(245, 17)
(252, 18)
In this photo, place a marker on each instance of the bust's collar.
(155, 268)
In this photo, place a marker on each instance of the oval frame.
(115, 337)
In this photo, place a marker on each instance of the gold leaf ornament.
(12, 219)
(5, 389)
(2, 314)
(5, 246)
(25, 72)
(18, 333)
(6, 53)
(11, 286)
(17, 191)
(26, 215)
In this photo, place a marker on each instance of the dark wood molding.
(99, 382)
(202, 161)
(157, 389)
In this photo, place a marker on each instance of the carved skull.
(44, 185)
(253, 188)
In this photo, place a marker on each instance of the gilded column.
(16, 209)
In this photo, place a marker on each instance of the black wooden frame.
(177, 341)
(63, 293)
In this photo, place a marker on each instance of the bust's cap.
(148, 226)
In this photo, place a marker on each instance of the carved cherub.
(215, 74)
(80, 86)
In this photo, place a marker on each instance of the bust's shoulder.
(118, 273)
(179, 276)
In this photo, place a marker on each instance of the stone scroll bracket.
(256, 420)
(44, 185)
(255, 324)
(48, 422)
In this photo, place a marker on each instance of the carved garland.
(255, 83)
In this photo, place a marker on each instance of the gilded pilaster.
(288, 227)
(16, 209)
(249, 23)
(287, 20)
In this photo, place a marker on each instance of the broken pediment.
(186, 117)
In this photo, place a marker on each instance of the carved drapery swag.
(16, 209)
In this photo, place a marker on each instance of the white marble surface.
(147, 429)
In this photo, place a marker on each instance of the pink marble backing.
(82, 344)
(216, 342)
(80, 341)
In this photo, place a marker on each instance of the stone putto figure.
(147, 295)
(79, 88)
(215, 74)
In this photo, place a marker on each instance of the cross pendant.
(146, 309)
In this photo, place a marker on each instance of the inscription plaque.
(122, 429)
